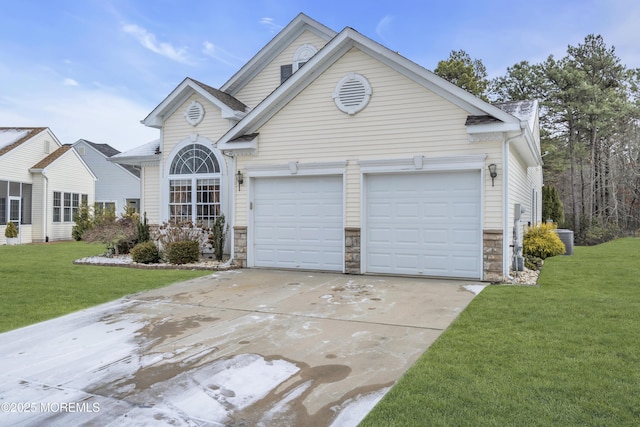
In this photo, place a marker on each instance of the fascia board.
(272, 49)
(134, 160)
(322, 60)
(493, 127)
(179, 95)
(289, 89)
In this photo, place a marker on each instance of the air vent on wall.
(194, 113)
(352, 93)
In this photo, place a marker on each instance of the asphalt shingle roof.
(24, 135)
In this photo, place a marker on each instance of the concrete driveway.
(242, 348)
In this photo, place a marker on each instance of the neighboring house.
(360, 161)
(42, 184)
(117, 186)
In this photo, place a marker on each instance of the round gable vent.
(194, 113)
(352, 93)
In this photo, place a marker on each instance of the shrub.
(184, 252)
(552, 207)
(119, 234)
(597, 233)
(218, 236)
(533, 262)
(540, 241)
(11, 231)
(83, 222)
(143, 232)
(146, 253)
(169, 233)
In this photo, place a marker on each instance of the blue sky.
(93, 69)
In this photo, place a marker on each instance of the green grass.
(40, 281)
(565, 353)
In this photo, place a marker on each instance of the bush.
(119, 234)
(172, 232)
(533, 262)
(552, 207)
(540, 241)
(596, 233)
(218, 236)
(11, 231)
(183, 252)
(146, 253)
(83, 222)
(143, 231)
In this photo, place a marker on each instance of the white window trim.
(302, 55)
(226, 185)
(415, 163)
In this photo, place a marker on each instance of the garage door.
(424, 224)
(298, 222)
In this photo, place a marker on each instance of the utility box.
(566, 236)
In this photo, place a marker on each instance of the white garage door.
(298, 222)
(424, 224)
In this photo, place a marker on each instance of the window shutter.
(285, 72)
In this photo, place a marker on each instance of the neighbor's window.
(57, 206)
(75, 204)
(67, 207)
(105, 207)
(3, 201)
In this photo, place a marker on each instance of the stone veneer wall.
(352, 250)
(492, 257)
(240, 246)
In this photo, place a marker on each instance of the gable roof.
(336, 48)
(11, 138)
(230, 107)
(52, 157)
(271, 50)
(149, 152)
(108, 151)
(60, 152)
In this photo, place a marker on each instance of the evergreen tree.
(462, 71)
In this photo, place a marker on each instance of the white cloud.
(70, 82)
(221, 55)
(95, 115)
(149, 41)
(271, 24)
(384, 27)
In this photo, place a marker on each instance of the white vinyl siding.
(15, 165)
(403, 119)
(176, 128)
(114, 183)
(269, 79)
(151, 193)
(67, 175)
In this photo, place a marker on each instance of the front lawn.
(565, 353)
(40, 281)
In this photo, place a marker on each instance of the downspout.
(505, 193)
(46, 206)
(232, 208)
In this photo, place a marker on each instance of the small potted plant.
(11, 233)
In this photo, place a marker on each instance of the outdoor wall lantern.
(492, 172)
(240, 179)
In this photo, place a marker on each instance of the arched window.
(194, 186)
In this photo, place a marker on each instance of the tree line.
(590, 130)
